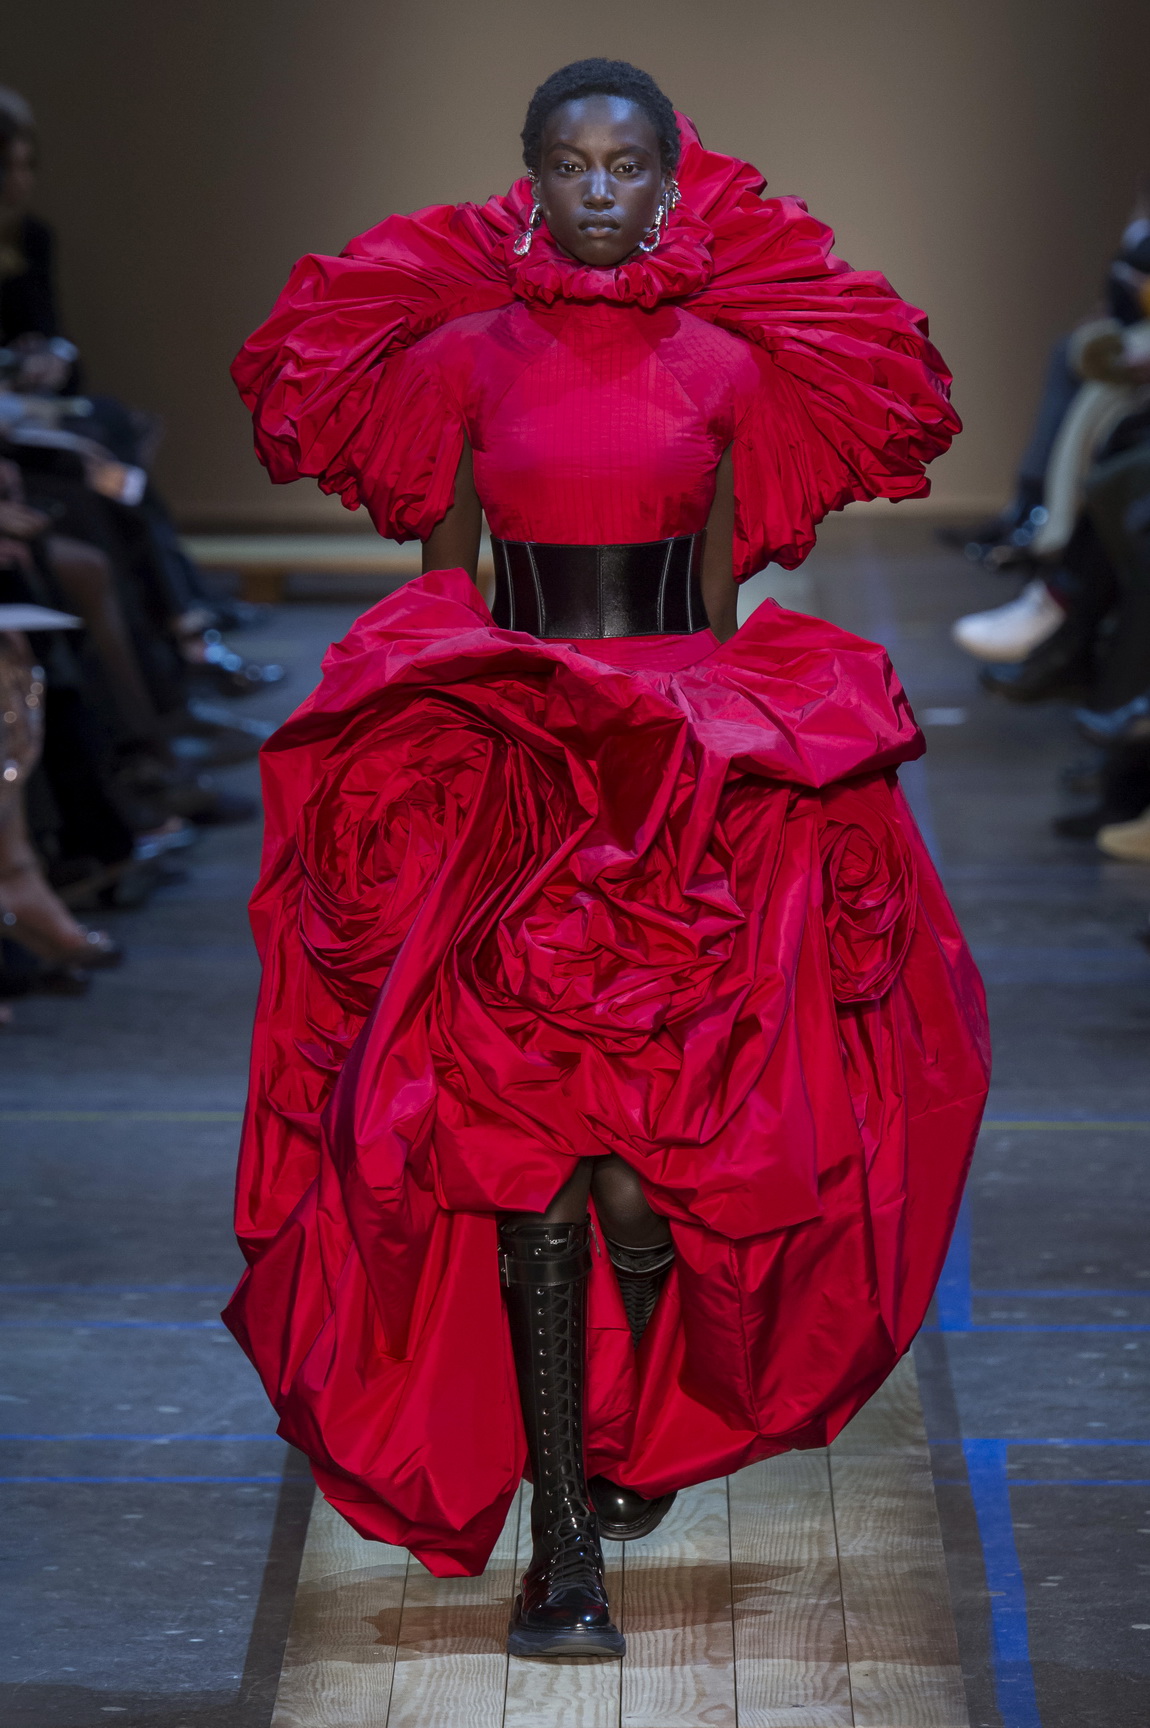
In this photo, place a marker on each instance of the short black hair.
(600, 78)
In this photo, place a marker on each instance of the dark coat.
(28, 300)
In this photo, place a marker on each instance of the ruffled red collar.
(682, 264)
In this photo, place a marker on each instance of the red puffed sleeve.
(404, 457)
(327, 376)
(853, 400)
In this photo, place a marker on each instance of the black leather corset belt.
(650, 589)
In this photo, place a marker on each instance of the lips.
(599, 225)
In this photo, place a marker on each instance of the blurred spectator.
(1006, 539)
(114, 777)
(114, 444)
(1080, 524)
(41, 945)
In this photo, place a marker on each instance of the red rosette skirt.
(525, 902)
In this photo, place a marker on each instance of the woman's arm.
(720, 591)
(453, 543)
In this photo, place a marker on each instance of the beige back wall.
(982, 152)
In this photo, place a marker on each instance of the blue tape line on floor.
(1061, 1295)
(61, 1117)
(129, 1290)
(1091, 1442)
(137, 1439)
(28, 1480)
(1103, 1124)
(953, 1294)
(1085, 1326)
(1080, 1481)
(1010, 1631)
(1030, 1440)
(1056, 1482)
(78, 1323)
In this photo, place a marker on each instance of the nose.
(598, 193)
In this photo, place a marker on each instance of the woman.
(590, 903)
(95, 444)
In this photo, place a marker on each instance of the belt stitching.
(599, 590)
(538, 588)
(661, 612)
(508, 583)
(689, 584)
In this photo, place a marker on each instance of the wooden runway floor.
(809, 1591)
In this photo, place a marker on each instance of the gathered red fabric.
(520, 905)
(845, 398)
(525, 901)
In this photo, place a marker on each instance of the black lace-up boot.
(562, 1609)
(642, 1273)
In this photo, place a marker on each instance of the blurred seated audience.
(1079, 528)
(114, 444)
(41, 945)
(109, 786)
(1093, 351)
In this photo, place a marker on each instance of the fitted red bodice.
(591, 423)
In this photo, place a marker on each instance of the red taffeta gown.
(529, 901)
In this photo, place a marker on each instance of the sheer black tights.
(619, 1200)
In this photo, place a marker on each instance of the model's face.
(600, 178)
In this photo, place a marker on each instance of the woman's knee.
(622, 1206)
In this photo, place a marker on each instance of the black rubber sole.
(550, 1641)
(656, 1511)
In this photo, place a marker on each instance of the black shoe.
(990, 532)
(958, 539)
(1081, 779)
(1006, 559)
(562, 1608)
(240, 614)
(623, 1515)
(204, 735)
(230, 673)
(1085, 824)
(23, 974)
(1011, 530)
(1123, 793)
(1063, 665)
(201, 801)
(1129, 724)
(225, 750)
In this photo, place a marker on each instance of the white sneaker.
(1128, 840)
(1009, 633)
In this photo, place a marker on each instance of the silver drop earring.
(522, 245)
(667, 202)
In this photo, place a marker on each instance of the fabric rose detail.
(870, 889)
(614, 947)
(375, 833)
